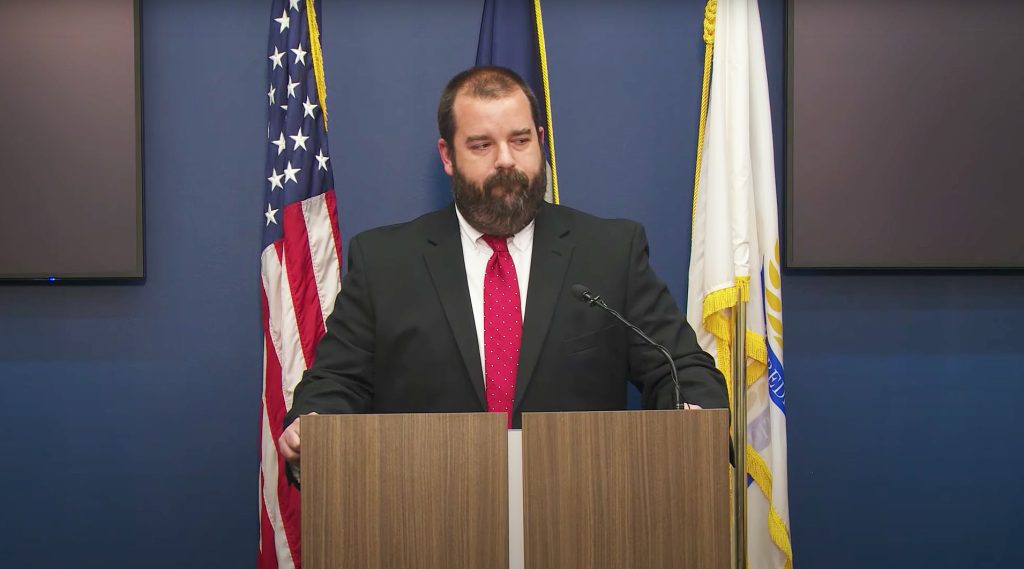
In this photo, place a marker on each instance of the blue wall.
(131, 412)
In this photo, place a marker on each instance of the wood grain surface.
(419, 491)
(638, 490)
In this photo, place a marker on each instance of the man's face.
(495, 161)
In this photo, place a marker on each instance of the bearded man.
(469, 308)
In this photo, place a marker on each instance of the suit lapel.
(443, 256)
(552, 250)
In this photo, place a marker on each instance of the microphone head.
(581, 292)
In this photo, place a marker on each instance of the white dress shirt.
(476, 253)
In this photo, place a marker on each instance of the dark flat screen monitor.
(70, 154)
(904, 141)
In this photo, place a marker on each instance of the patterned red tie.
(503, 327)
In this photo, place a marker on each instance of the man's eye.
(481, 146)
(521, 141)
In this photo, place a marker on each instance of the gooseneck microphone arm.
(583, 294)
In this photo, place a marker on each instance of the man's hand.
(288, 444)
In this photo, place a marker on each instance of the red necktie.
(503, 327)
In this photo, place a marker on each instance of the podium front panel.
(637, 489)
(418, 491)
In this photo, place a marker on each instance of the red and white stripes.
(301, 276)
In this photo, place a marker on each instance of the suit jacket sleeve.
(651, 307)
(341, 378)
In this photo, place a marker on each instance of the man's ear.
(446, 159)
(540, 135)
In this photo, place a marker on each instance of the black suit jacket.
(402, 336)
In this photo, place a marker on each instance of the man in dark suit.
(469, 308)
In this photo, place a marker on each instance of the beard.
(506, 202)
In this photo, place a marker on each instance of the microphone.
(583, 294)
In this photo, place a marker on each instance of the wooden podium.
(624, 489)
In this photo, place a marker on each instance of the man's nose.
(504, 159)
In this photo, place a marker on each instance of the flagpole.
(739, 431)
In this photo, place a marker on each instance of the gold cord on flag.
(318, 58)
(709, 46)
(547, 97)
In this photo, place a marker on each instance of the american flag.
(301, 256)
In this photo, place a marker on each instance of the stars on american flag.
(289, 173)
(284, 21)
(299, 140)
(280, 143)
(298, 163)
(300, 55)
(276, 58)
(275, 180)
(321, 160)
(308, 108)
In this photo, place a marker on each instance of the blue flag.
(508, 37)
(512, 36)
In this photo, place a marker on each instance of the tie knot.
(496, 243)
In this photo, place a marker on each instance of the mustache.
(509, 179)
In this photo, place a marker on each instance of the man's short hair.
(485, 82)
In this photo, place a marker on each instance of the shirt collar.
(523, 240)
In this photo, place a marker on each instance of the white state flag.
(735, 257)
